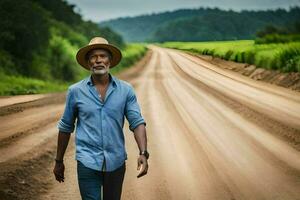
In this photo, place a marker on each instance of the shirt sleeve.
(133, 111)
(67, 121)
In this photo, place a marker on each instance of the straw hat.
(98, 43)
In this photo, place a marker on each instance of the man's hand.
(58, 171)
(142, 165)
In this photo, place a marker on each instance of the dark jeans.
(90, 182)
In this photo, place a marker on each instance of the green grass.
(284, 57)
(16, 85)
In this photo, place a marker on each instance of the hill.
(202, 24)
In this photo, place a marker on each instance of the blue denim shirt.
(99, 126)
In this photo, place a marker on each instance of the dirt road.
(212, 134)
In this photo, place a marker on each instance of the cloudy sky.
(100, 10)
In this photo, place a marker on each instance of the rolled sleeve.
(133, 111)
(67, 121)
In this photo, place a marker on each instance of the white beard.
(100, 71)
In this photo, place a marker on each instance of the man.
(99, 103)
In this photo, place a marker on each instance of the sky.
(101, 10)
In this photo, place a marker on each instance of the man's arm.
(141, 140)
(141, 137)
(137, 126)
(62, 144)
(65, 127)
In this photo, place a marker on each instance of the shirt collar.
(111, 78)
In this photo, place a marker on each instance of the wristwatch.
(145, 153)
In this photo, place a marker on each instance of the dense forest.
(278, 34)
(203, 24)
(39, 38)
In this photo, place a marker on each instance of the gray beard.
(100, 72)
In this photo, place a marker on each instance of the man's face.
(99, 61)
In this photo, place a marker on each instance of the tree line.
(278, 34)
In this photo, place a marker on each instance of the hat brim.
(81, 54)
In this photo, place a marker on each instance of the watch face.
(146, 154)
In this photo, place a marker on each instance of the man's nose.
(98, 59)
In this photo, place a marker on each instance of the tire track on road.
(207, 128)
(273, 106)
(278, 129)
